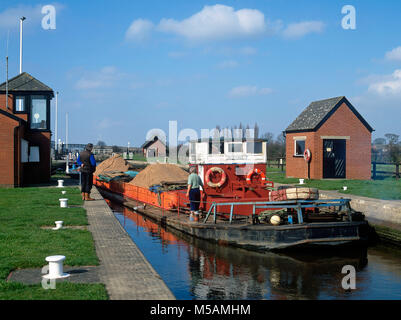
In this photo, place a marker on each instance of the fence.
(385, 169)
(276, 163)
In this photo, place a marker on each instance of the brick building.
(154, 148)
(25, 132)
(339, 140)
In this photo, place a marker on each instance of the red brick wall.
(3, 106)
(297, 167)
(7, 126)
(358, 148)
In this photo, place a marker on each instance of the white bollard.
(63, 192)
(59, 225)
(63, 203)
(301, 181)
(56, 268)
(345, 188)
(60, 183)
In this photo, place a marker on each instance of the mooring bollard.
(301, 181)
(59, 225)
(63, 192)
(60, 183)
(56, 268)
(63, 203)
(345, 188)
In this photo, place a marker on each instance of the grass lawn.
(23, 244)
(385, 189)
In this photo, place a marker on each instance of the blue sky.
(125, 67)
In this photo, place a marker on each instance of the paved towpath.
(123, 268)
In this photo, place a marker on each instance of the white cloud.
(9, 18)
(388, 85)
(104, 78)
(139, 30)
(394, 54)
(246, 91)
(248, 51)
(298, 30)
(217, 22)
(228, 64)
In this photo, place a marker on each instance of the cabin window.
(38, 114)
(299, 148)
(254, 147)
(235, 147)
(20, 104)
(216, 147)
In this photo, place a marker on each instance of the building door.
(334, 159)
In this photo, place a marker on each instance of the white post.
(56, 125)
(66, 132)
(21, 20)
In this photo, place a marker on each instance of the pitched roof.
(25, 82)
(149, 142)
(317, 113)
(10, 115)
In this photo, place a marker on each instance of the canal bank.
(124, 270)
(383, 215)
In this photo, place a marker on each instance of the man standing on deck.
(193, 192)
(88, 166)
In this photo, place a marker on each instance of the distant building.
(102, 150)
(25, 131)
(339, 140)
(154, 148)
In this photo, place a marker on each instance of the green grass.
(385, 189)
(23, 244)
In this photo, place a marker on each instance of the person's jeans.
(194, 198)
(86, 182)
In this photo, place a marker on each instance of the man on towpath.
(87, 162)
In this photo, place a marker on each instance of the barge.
(239, 206)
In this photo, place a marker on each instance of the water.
(197, 269)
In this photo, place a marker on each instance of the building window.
(20, 104)
(299, 148)
(235, 147)
(39, 113)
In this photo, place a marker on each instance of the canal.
(198, 269)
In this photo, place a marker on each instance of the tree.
(268, 136)
(392, 138)
(394, 147)
(256, 128)
(379, 142)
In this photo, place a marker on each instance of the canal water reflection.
(198, 269)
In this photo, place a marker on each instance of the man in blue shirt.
(87, 163)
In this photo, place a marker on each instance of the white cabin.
(228, 152)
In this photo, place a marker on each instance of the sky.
(123, 68)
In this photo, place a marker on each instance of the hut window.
(299, 147)
(20, 104)
(39, 113)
